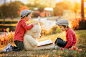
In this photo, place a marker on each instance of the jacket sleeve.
(23, 23)
(70, 40)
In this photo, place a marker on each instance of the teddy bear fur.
(30, 42)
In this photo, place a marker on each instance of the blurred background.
(43, 9)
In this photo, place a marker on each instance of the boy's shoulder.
(21, 20)
(70, 30)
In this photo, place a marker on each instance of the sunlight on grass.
(53, 37)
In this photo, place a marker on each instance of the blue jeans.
(61, 43)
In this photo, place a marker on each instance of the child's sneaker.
(11, 48)
(8, 48)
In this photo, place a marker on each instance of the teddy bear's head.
(35, 32)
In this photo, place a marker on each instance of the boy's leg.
(60, 42)
(20, 46)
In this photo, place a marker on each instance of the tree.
(5, 10)
(10, 10)
(14, 7)
(76, 7)
(49, 3)
(58, 9)
(22, 8)
(1, 15)
(41, 8)
(31, 6)
(37, 5)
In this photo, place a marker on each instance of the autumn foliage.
(75, 23)
(6, 38)
(78, 24)
(23, 8)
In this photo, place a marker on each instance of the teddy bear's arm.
(31, 40)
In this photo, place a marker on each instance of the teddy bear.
(30, 36)
(30, 39)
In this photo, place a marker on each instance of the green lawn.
(81, 44)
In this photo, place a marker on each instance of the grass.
(81, 44)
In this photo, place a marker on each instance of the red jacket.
(20, 30)
(70, 38)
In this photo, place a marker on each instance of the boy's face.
(28, 17)
(61, 27)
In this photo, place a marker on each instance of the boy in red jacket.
(70, 35)
(21, 28)
(19, 31)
